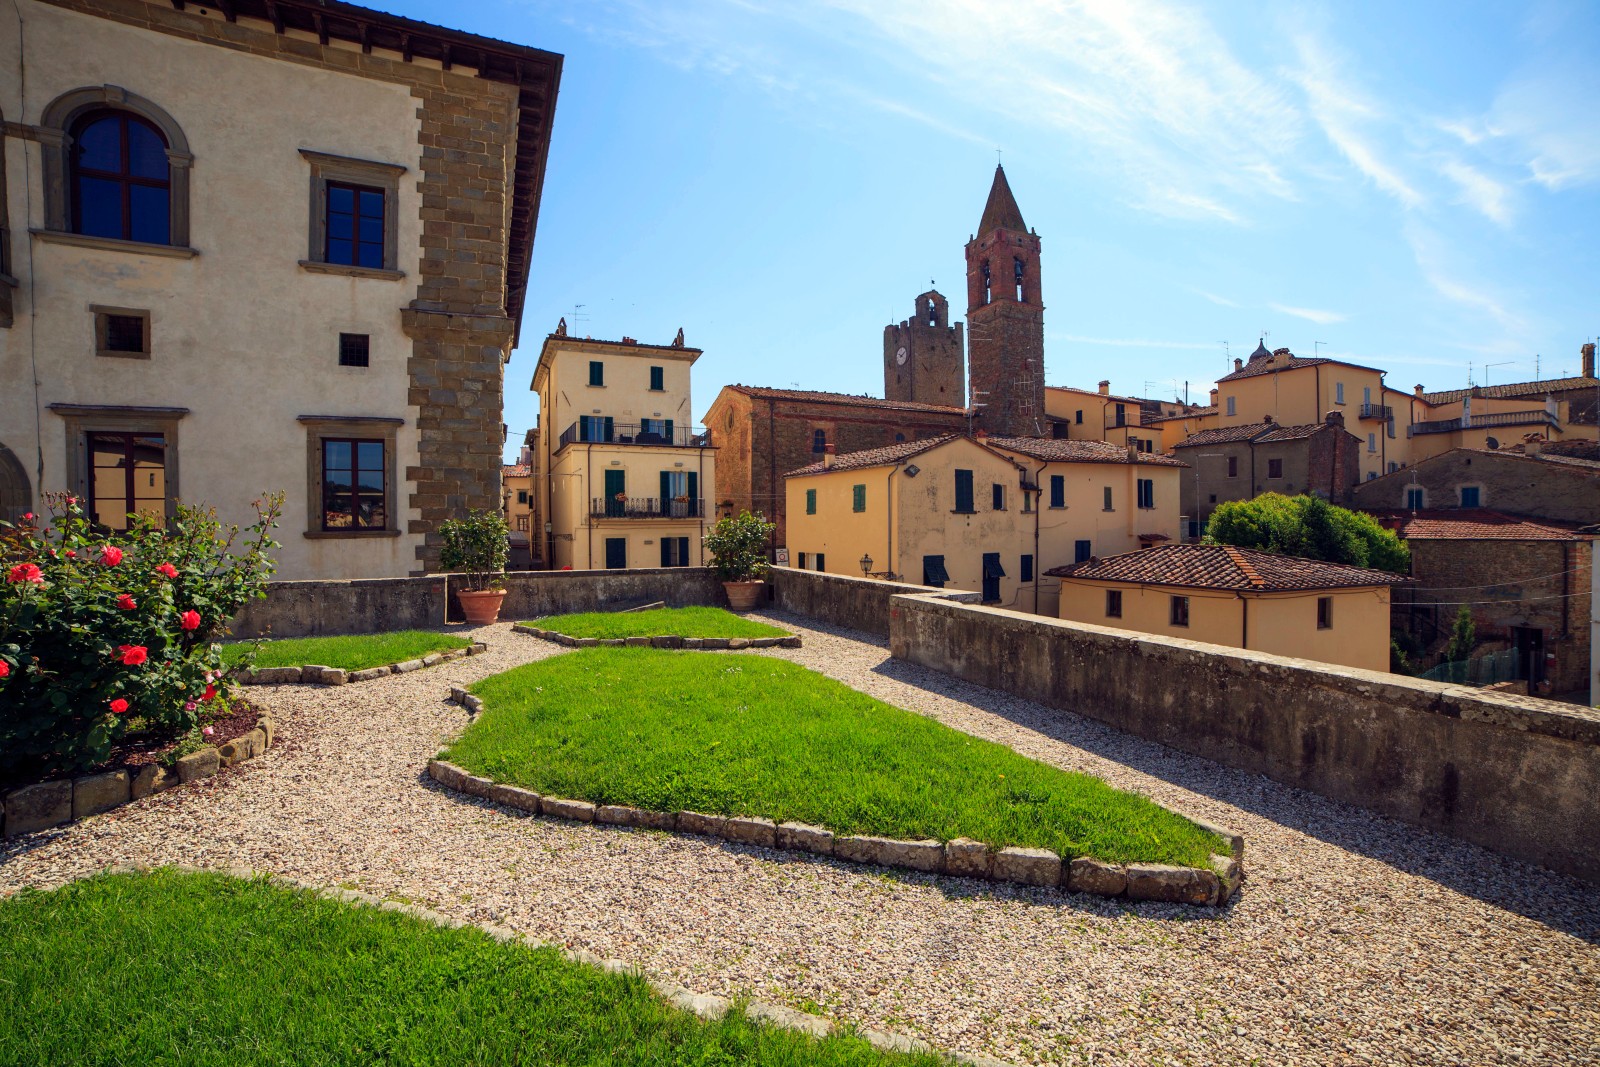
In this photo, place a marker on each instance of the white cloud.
(1134, 342)
(1440, 270)
(1479, 191)
(1220, 301)
(1321, 318)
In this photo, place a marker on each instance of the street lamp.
(866, 564)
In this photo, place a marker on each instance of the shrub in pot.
(738, 547)
(101, 629)
(477, 547)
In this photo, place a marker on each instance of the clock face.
(900, 356)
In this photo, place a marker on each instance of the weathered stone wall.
(313, 609)
(1519, 484)
(1515, 774)
(859, 603)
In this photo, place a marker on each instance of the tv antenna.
(972, 408)
(577, 316)
(1486, 366)
(1316, 347)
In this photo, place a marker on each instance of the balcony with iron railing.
(646, 507)
(598, 429)
(1539, 417)
(1381, 412)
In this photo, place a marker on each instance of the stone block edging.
(659, 641)
(1211, 886)
(706, 1006)
(49, 804)
(315, 674)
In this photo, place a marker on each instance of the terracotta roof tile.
(1263, 366)
(1196, 413)
(1225, 567)
(514, 470)
(1260, 432)
(1474, 524)
(843, 398)
(1052, 449)
(873, 457)
(1512, 390)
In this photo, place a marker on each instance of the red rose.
(71, 554)
(111, 555)
(133, 655)
(211, 691)
(119, 705)
(189, 620)
(28, 517)
(125, 602)
(168, 569)
(5, 668)
(26, 572)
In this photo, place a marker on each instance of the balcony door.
(616, 493)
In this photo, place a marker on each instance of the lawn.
(682, 622)
(176, 968)
(752, 735)
(355, 652)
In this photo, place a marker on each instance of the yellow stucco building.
(985, 514)
(1240, 597)
(620, 472)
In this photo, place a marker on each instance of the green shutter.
(811, 501)
(1058, 491)
(609, 428)
(669, 431)
(666, 551)
(858, 498)
(656, 375)
(964, 491)
(694, 493)
(666, 492)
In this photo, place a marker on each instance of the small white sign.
(781, 557)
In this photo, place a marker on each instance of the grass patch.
(187, 969)
(355, 652)
(658, 622)
(749, 735)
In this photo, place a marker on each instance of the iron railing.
(1540, 417)
(646, 507)
(598, 430)
(1377, 411)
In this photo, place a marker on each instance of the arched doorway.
(16, 493)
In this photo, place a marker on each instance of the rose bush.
(100, 629)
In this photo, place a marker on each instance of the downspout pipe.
(1038, 507)
(888, 533)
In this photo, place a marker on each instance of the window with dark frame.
(1324, 612)
(1107, 506)
(597, 372)
(964, 492)
(819, 441)
(353, 232)
(127, 475)
(822, 561)
(1233, 466)
(121, 179)
(1082, 551)
(1274, 468)
(354, 349)
(933, 572)
(658, 379)
(1413, 499)
(811, 501)
(997, 497)
(1470, 496)
(125, 333)
(1058, 491)
(354, 476)
(1180, 611)
(858, 498)
(1027, 568)
(1113, 603)
(1147, 493)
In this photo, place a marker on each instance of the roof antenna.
(1316, 347)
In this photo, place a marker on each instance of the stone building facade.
(266, 246)
(1005, 319)
(762, 434)
(1554, 482)
(1241, 462)
(924, 361)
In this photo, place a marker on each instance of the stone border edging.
(315, 674)
(49, 804)
(707, 1006)
(962, 857)
(659, 641)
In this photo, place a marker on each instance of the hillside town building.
(255, 246)
(1243, 461)
(1558, 482)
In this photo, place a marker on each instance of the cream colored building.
(984, 514)
(520, 509)
(256, 247)
(620, 470)
(1239, 597)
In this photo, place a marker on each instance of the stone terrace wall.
(313, 609)
(1516, 774)
(860, 603)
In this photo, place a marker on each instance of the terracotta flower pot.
(742, 596)
(481, 606)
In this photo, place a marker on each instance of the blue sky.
(1416, 186)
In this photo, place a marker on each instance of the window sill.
(319, 535)
(351, 271)
(111, 244)
(108, 353)
(958, 511)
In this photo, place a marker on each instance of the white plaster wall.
(241, 334)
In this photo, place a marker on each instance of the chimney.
(1417, 390)
(1105, 384)
(828, 451)
(1588, 359)
(1532, 443)
(1334, 418)
(1238, 364)
(1213, 398)
(1267, 419)
(1133, 452)
(980, 433)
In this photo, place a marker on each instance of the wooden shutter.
(609, 427)
(964, 491)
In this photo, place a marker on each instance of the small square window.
(1180, 611)
(122, 333)
(1324, 612)
(1470, 496)
(1113, 603)
(353, 349)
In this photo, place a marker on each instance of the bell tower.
(922, 357)
(1005, 319)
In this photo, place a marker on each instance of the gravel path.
(1354, 940)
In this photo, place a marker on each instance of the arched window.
(819, 441)
(988, 293)
(121, 181)
(933, 313)
(1017, 272)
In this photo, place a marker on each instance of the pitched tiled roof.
(1511, 390)
(843, 398)
(1475, 524)
(1196, 413)
(1264, 366)
(874, 457)
(514, 470)
(1051, 449)
(1260, 432)
(1225, 567)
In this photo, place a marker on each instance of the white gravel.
(1356, 939)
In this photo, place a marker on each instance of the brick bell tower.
(1005, 319)
(922, 357)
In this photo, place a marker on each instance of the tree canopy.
(1308, 527)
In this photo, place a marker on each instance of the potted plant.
(738, 547)
(477, 547)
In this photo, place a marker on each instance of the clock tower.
(922, 357)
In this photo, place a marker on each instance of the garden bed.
(251, 971)
(692, 622)
(758, 742)
(346, 658)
